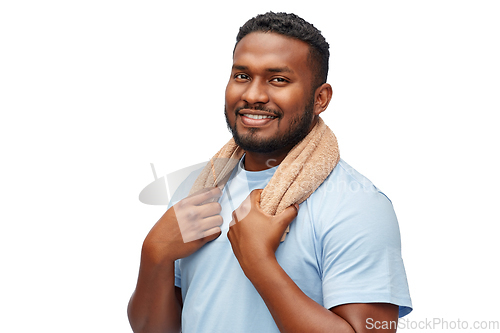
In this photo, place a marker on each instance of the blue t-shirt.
(343, 247)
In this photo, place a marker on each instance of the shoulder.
(348, 187)
(345, 180)
(349, 202)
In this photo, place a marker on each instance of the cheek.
(290, 101)
(232, 94)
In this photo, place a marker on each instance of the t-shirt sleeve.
(177, 274)
(361, 253)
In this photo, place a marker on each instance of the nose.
(255, 92)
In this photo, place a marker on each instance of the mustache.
(259, 108)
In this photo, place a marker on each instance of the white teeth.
(257, 116)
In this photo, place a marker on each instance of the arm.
(155, 305)
(255, 237)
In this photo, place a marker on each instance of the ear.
(322, 98)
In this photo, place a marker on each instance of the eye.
(242, 77)
(279, 80)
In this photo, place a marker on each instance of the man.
(208, 267)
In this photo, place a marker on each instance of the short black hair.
(293, 26)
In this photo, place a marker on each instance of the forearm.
(153, 306)
(292, 310)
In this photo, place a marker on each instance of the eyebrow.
(284, 69)
(279, 70)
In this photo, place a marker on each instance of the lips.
(257, 116)
(254, 118)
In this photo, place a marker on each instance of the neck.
(263, 161)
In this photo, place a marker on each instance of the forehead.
(268, 50)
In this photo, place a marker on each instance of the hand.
(185, 227)
(255, 235)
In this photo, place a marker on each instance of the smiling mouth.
(258, 116)
(256, 120)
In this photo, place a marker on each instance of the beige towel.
(301, 172)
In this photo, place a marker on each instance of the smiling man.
(276, 233)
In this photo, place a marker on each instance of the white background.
(92, 92)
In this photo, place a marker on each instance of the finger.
(288, 215)
(209, 209)
(205, 195)
(255, 198)
(233, 220)
(211, 222)
(242, 211)
(211, 234)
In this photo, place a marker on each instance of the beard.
(297, 130)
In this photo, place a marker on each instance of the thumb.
(286, 217)
(255, 196)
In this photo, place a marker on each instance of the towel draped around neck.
(302, 171)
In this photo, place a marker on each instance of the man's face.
(269, 97)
